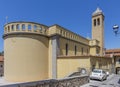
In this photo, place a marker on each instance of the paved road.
(112, 81)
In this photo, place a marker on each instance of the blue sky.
(74, 15)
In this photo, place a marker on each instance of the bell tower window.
(94, 22)
(98, 21)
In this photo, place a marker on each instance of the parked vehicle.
(107, 73)
(98, 74)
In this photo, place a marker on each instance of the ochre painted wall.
(95, 51)
(68, 65)
(117, 62)
(71, 47)
(26, 58)
(101, 63)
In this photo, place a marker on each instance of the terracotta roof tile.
(112, 50)
(1, 58)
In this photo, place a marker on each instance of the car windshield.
(96, 71)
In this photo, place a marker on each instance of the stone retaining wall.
(66, 82)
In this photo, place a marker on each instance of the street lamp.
(116, 29)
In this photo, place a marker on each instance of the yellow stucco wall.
(117, 63)
(50, 59)
(71, 47)
(63, 32)
(93, 50)
(26, 58)
(101, 63)
(68, 65)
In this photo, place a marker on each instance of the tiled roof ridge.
(113, 50)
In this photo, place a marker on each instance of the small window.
(5, 29)
(98, 21)
(82, 50)
(97, 51)
(23, 26)
(8, 28)
(18, 27)
(75, 49)
(29, 27)
(66, 47)
(94, 22)
(12, 27)
(35, 27)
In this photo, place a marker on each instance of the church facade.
(34, 51)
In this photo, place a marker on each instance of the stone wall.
(66, 82)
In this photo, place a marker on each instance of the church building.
(33, 51)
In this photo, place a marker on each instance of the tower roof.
(97, 11)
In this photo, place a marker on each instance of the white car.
(98, 74)
(107, 73)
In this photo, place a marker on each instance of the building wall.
(26, 57)
(69, 65)
(93, 51)
(63, 32)
(71, 47)
(101, 63)
(1, 68)
(117, 61)
(94, 47)
(115, 53)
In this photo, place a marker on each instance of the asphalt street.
(112, 81)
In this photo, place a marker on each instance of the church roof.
(97, 11)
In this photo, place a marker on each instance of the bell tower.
(98, 28)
